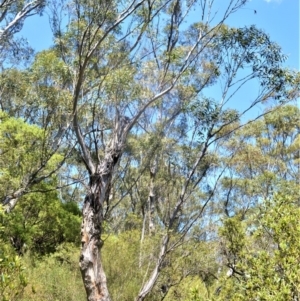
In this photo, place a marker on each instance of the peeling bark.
(90, 259)
(91, 265)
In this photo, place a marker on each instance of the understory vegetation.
(247, 248)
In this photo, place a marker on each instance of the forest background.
(159, 137)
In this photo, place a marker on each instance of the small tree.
(266, 262)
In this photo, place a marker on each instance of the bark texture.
(96, 201)
(90, 258)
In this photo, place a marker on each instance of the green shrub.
(55, 277)
(12, 278)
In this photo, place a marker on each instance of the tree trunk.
(91, 266)
(151, 198)
(142, 240)
(98, 196)
(148, 286)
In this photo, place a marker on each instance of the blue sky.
(279, 18)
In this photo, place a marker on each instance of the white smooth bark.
(24, 12)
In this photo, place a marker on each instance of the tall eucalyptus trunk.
(96, 200)
(91, 265)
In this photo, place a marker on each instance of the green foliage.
(235, 242)
(191, 288)
(41, 222)
(126, 276)
(55, 277)
(265, 159)
(251, 47)
(12, 274)
(23, 154)
(266, 254)
(19, 149)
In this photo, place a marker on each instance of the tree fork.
(90, 262)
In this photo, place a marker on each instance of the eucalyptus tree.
(126, 68)
(32, 126)
(32, 147)
(259, 189)
(265, 161)
(126, 59)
